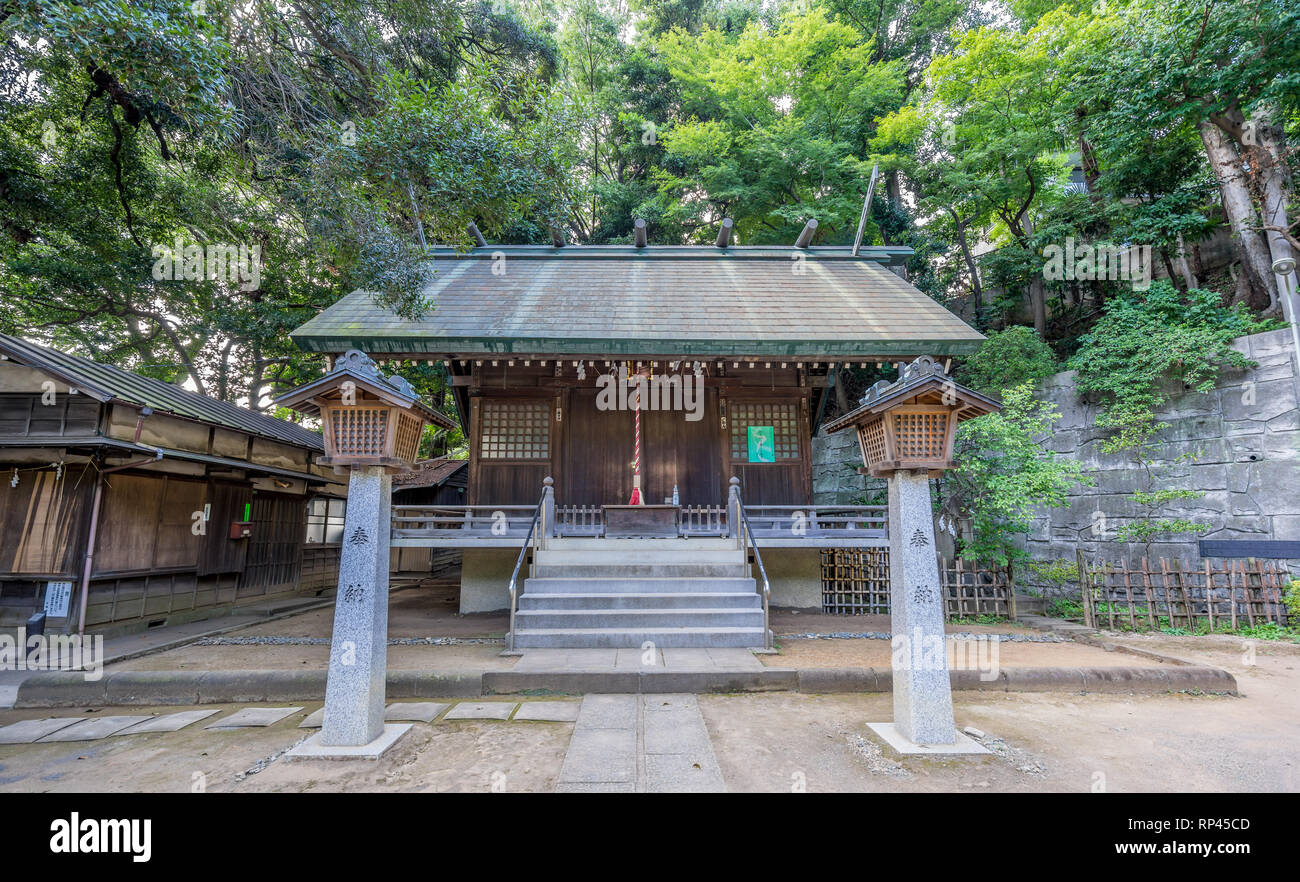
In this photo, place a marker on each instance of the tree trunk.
(1184, 265)
(1037, 293)
(977, 290)
(1241, 213)
(1275, 184)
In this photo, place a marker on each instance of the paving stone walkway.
(82, 728)
(640, 744)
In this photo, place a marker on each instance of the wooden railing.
(797, 521)
(538, 529)
(768, 521)
(436, 521)
(746, 535)
(579, 520)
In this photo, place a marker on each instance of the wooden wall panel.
(128, 522)
(596, 459)
(685, 453)
(275, 548)
(221, 554)
(43, 522)
(177, 545)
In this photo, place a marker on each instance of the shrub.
(1007, 359)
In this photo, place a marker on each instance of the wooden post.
(806, 234)
(733, 507)
(639, 233)
(1011, 591)
(547, 527)
(1128, 589)
(1232, 595)
(1245, 590)
(724, 232)
(1209, 595)
(1084, 592)
(1151, 600)
(1187, 595)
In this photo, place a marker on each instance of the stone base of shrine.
(313, 749)
(965, 746)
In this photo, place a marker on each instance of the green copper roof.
(664, 300)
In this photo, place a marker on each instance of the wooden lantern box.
(369, 429)
(911, 423)
(367, 419)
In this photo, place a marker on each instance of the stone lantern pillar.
(905, 431)
(372, 427)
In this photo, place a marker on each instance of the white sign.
(57, 596)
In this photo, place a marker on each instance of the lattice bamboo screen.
(1229, 593)
(855, 582)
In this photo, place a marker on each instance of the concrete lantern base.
(901, 744)
(313, 749)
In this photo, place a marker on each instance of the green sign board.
(762, 444)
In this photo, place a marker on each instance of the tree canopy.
(325, 146)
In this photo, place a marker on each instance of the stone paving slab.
(27, 731)
(682, 773)
(417, 711)
(548, 711)
(168, 722)
(601, 756)
(94, 728)
(254, 717)
(654, 743)
(608, 712)
(481, 710)
(605, 787)
(313, 720)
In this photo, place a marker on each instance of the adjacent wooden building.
(155, 504)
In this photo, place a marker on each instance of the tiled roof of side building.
(108, 383)
(668, 300)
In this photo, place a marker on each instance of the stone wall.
(1239, 445)
(1242, 447)
(836, 481)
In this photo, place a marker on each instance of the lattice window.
(515, 430)
(408, 437)
(325, 519)
(360, 431)
(872, 436)
(920, 435)
(782, 416)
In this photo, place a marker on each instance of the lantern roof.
(923, 381)
(358, 368)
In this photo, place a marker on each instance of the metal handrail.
(747, 538)
(519, 562)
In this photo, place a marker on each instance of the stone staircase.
(622, 593)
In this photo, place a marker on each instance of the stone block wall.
(1242, 447)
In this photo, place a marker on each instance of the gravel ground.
(774, 741)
